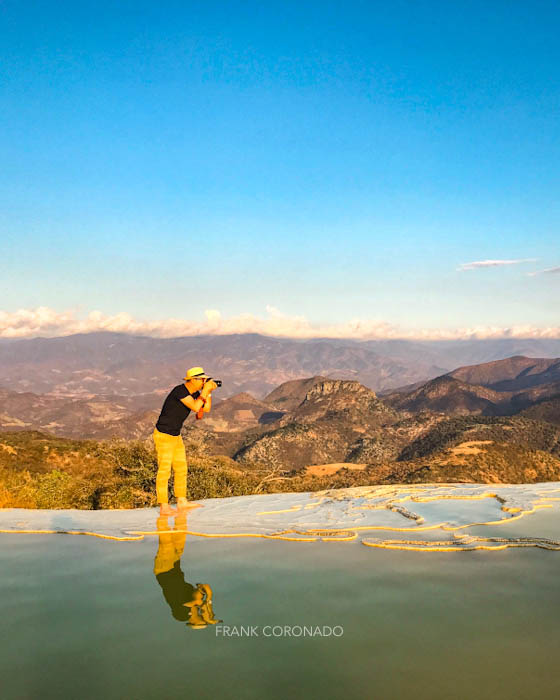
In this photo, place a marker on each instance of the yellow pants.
(171, 543)
(170, 453)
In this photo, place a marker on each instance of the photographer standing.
(193, 395)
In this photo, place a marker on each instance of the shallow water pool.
(90, 618)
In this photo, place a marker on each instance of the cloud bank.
(492, 263)
(46, 322)
(548, 271)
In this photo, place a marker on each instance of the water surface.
(90, 618)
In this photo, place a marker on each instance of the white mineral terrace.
(418, 517)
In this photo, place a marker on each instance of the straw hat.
(196, 373)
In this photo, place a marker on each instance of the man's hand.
(208, 387)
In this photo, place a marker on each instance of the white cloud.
(43, 321)
(548, 271)
(493, 263)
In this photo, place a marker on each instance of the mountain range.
(106, 363)
(502, 387)
(505, 387)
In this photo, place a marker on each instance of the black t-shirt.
(176, 591)
(174, 411)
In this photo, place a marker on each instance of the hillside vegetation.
(486, 463)
(43, 471)
(522, 432)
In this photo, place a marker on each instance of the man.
(193, 395)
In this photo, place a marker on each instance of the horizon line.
(45, 322)
(406, 339)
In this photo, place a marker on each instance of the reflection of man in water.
(188, 603)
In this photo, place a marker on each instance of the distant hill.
(448, 395)
(329, 400)
(459, 353)
(547, 410)
(289, 395)
(91, 417)
(525, 398)
(511, 374)
(327, 424)
(504, 387)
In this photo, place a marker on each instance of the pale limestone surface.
(419, 517)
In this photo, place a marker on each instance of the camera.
(217, 381)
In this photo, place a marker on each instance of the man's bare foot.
(183, 504)
(166, 509)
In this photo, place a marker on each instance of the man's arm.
(194, 404)
(208, 404)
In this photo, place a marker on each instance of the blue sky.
(332, 160)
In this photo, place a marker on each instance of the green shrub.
(54, 490)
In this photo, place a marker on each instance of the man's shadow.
(188, 603)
